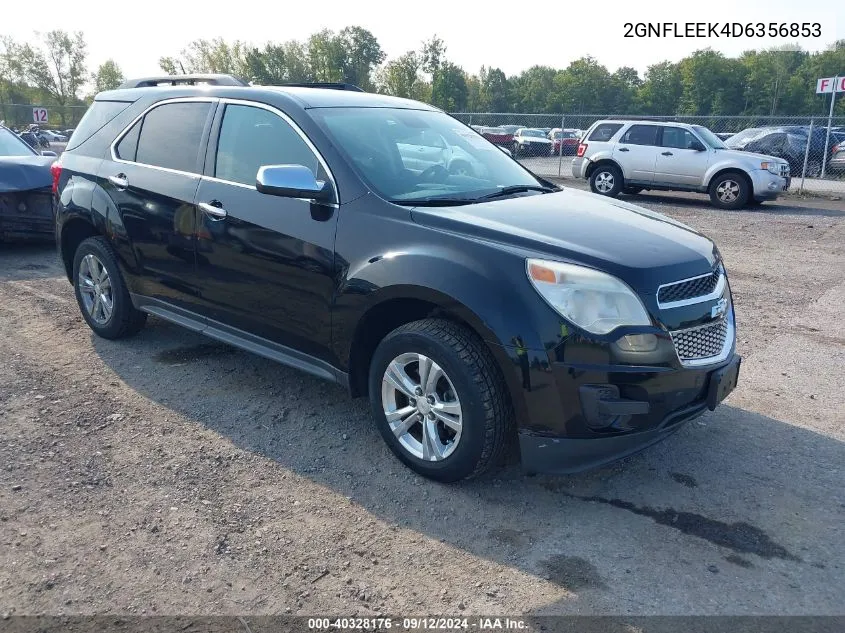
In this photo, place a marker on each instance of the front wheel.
(439, 400)
(606, 180)
(730, 191)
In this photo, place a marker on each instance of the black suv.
(328, 229)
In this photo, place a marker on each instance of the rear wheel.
(606, 180)
(439, 400)
(730, 191)
(101, 292)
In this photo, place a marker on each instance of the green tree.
(711, 84)
(661, 91)
(433, 54)
(326, 56)
(582, 88)
(277, 64)
(449, 89)
(58, 69)
(208, 56)
(361, 55)
(400, 77)
(495, 90)
(108, 76)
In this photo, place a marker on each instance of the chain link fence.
(814, 151)
(47, 117)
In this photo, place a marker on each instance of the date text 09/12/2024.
(722, 29)
(418, 624)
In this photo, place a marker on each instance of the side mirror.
(47, 153)
(697, 146)
(292, 181)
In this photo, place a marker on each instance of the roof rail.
(326, 85)
(175, 80)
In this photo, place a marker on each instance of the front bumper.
(768, 186)
(642, 408)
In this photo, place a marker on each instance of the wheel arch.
(731, 170)
(603, 162)
(73, 232)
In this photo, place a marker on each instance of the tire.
(730, 190)
(94, 255)
(632, 190)
(607, 180)
(471, 380)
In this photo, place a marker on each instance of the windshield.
(417, 155)
(711, 139)
(11, 145)
(740, 139)
(532, 133)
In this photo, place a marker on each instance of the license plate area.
(722, 382)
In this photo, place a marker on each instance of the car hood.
(21, 173)
(641, 247)
(738, 153)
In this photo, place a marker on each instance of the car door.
(266, 263)
(636, 151)
(151, 177)
(678, 162)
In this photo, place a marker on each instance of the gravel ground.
(169, 474)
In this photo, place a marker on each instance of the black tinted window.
(95, 117)
(128, 145)
(640, 135)
(251, 137)
(678, 138)
(171, 135)
(605, 131)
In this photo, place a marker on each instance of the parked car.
(469, 310)
(498, 136)
(54, 137)
(26, 211)
(724, 135)
(510, 129)
(837, 159)
(422, 149)
(629, 156)
(788, 143)
(530, 142)
(568, 139)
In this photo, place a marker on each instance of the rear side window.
(171, 135)
(640, 135)
(604, 131)
(95, 117)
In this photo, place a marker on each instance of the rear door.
(677, 162)
(636, 151)
(266, 268)
(152, 177)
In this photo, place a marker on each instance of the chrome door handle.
(209, 208)
(120, 181)
(666, 154)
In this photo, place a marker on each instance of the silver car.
(630, 156)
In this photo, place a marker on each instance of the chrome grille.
(689, 288)
(705, 341)
(784, 170)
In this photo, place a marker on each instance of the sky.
(511, 37)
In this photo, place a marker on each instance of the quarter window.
(251, 137)
(171, 135)
(128, 145)
(640, 135)
(604, 132)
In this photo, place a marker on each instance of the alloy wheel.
(422, 407)
(95, 289)
(604, 182)
(728, 190)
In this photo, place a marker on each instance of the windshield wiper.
(506, 191)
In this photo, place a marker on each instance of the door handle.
(214, 209)
(624, 149)
(666, 154)
(120, 181)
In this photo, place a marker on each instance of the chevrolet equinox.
(328, 229)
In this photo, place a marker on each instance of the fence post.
(829, 123)
(560, 147)
(470, 120)
(806, 157)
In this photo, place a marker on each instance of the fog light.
(638, 343)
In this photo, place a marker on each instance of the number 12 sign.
(39, 115)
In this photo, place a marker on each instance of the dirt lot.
(168, 474)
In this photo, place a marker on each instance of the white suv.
(629, 156)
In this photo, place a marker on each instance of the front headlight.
(771, 167)
(592, 300)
